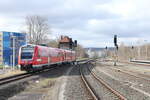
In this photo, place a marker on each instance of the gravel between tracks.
(101, 90)
(134, 67)
(124, 88)
(75, 89)
(137, 83)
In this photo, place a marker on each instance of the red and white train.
(35, 57)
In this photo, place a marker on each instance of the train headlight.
(39, 60)
(19, 66)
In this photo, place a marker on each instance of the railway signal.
(116, 46)
(75, 43)
(115, 40)
(106, 51)
(132, 52)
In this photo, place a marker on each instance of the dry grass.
(78, 59)
(42, 85)
(1, 66)
(11, 72)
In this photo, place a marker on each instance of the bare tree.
(37, 29)
(53, 43)
(81, 51)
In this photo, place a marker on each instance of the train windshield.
(27, 52)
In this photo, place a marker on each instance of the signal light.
(75, 43)
(132, 47)
(117, 47)
(106, 48)
(115, 40)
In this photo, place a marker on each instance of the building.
(98, 52)
(8, 40)
(95, 52)
(67, 43)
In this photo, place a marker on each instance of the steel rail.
(10, 79)
(100, 80)
(128, 73)
(135, 63)
(16, 77)
(91, 91)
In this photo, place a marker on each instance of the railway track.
(105, 84)
(8, 77)
(17, 77)
(100, 81)
(88, 86)
(144, 62)
(140, 75)
(14, 78)
(135, 63)
(143, 76)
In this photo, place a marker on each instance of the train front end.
(26, 54)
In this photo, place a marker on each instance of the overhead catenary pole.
(132, 51)
(106, 51)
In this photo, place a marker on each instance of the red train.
(35, 57)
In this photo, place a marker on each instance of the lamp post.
(106, 51)
(146, 48)
(132, 51)
(13, 37)
(139, 49)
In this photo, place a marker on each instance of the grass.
(1, 66)
(10, 73)
(82, 59)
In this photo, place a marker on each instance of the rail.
(121, 97)
(89, 88)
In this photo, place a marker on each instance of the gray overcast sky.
(92, 22)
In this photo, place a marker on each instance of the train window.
(43, 52)
(53, 52)
(27, 52)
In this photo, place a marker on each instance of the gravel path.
(75, 89)
(123, 86)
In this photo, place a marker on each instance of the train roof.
(33, 45)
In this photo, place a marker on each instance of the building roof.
(65, 39)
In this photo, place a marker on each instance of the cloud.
(92, 22)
